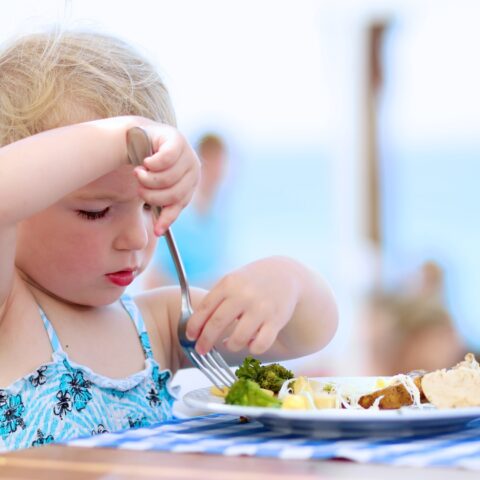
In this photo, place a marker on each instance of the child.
(77, 356)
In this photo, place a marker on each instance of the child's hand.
(168, 178)
(253, 303)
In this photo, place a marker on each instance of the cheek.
(81, 251)
(58, 247)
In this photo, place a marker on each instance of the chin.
(104, 300)
(94, 300)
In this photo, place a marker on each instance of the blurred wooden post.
(374, 82)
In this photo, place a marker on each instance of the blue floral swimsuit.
(63, 400)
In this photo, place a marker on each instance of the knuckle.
(264, 308)
(216, 321)
(249, 295)
(184, 201)
(174, 197)
(203, 306)
(257, 348)
(147, 196)
(233, 342)
(169, 214)
(192, 324)
(229, 282)
(260, 345)
(177, 137)
(205, 337)
(241, 340)
(165, 179)
(193, 178)
(195, 167)
(169, 155)
(170, 218)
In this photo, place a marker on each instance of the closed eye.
(93, 215)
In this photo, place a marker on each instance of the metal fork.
(212, 364)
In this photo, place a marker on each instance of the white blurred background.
(285, 83)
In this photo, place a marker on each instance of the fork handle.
(139, 147)
(182, 278)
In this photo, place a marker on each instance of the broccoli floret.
(249, 369)
(246, 392)
(272, 376)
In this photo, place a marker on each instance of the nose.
(133, 233)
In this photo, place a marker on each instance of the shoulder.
(166, 300)
(160, 308)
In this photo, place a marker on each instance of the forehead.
(120, 184)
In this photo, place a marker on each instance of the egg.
(294, 402)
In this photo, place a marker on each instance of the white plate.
(342, 422)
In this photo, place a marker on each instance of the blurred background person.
(410, 328)
(200, 231)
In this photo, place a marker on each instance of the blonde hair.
(54, 78)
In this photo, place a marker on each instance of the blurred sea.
(431, 211)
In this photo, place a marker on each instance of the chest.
(107, 342)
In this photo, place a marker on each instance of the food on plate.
(246, 392)
(456, 387)
(304, 393)
(257, 384)
(219, 392)
(275, 386)
(271, 377)
(401, 393)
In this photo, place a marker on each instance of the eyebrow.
(97, 196)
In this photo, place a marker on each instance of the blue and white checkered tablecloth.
(227, 435)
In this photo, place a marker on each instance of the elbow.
(329, 321)
(326, 323)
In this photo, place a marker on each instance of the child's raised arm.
(37, 171)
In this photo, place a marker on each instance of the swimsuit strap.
(52, 334)
(135, 314)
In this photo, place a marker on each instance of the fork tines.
(213, 365)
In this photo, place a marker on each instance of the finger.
(207, 306)
(181, 193)
(167, 216)
(244, 332)
(161, 180)
(226, 314)
(264, 339)
(167, 155)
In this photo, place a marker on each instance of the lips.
(122, 278)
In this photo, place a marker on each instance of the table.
(57, 462)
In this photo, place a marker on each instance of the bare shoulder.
(167, 300)
(157, 300)
(161, 311)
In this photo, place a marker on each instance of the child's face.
(90, 245)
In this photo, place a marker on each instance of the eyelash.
(93, 215)
(100, 214)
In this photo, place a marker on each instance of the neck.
(41, 294)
